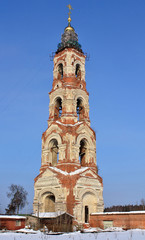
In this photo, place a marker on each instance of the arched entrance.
(50, 203)
(89, 205)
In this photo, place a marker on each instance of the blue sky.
(113, 33)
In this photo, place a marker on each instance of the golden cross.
(70, 8)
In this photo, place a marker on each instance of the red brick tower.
(68, 179)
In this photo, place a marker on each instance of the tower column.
(68, 179)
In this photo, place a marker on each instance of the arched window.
(50, 203)
(82, 152)
(54, 151)
(78, 71)
(58, 108)
(80, 109)
(60, 71)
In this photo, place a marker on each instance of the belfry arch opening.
(54, 151)
(83, 151)
(50, 203)
(78, 71)
(80, 109)
(60, 71)
(58, 108)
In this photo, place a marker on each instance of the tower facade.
(68, 179)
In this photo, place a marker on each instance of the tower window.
(54, 151)
(80, 109)
(60, 71)
(82, 152)
(78, 71)
(58, 108)
(86, 214)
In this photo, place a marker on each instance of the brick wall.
(128, 220)
(11, 223)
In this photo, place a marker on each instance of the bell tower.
(68, 179)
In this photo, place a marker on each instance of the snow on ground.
(126, 235)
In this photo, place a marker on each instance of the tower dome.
(69, 28)
(69, 38)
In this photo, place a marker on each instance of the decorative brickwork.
(68, 179)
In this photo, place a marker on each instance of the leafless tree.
(142, 201)
(18, 197)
